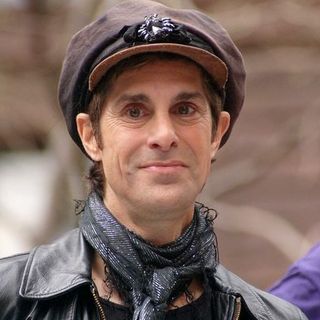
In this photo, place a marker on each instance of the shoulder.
(11, 273)
(261, 304)
(310, 262)
(301, 284)
(43, 273)
(307, 269)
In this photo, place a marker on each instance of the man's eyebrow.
(140, 97)
(189, 96)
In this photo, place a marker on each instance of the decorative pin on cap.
(155, 29)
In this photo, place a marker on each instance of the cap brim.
(211, 63)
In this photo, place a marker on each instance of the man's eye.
(135, 112)
(185, 109)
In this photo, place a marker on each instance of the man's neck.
(157, 226)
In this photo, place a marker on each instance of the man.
(149, 94)
(301, 284)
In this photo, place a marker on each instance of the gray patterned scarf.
(153, 276)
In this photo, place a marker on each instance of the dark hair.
(97, 103)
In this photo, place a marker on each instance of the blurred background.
(265, 183)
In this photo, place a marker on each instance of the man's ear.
(87, 136)
(222, 127)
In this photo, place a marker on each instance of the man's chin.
(169, 198)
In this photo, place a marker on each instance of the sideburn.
(96, 178)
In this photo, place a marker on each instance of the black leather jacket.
(53, 282)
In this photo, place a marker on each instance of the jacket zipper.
(237, 308)
(97, 302)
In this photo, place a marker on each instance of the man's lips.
(163, 164)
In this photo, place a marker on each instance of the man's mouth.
(165, 164)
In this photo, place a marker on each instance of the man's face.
(156, 138)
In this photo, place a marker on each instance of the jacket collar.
(65, 264)
(57, 268)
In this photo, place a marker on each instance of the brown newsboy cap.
(134, 27)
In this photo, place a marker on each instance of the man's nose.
(162, 133)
